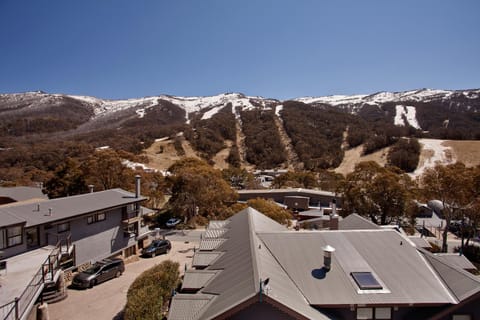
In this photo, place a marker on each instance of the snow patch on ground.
(433, 152)
(410, 114)
(135, 165)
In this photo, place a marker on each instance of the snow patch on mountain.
(333, 100)
(406, 112)
(278, 109)
(210, 113)
(381, 97)
(433, 152)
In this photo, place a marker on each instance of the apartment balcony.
(25, 278)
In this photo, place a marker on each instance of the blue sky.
(272, 48)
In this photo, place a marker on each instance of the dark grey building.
(38, 239)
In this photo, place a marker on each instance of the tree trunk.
(444, 237)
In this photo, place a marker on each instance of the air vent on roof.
(366, 281)
(327, 256)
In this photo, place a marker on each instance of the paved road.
(106, 301)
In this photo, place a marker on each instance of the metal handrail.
(15, 309)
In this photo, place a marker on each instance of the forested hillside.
(38, 131)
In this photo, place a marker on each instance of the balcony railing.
(17, 308)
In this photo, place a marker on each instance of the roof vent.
(91, 186)
(327, 257)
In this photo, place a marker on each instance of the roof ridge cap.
(255, 264)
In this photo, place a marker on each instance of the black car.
(157, 247)
(101, 271)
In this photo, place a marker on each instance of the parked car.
(172, 222)
(157, 247)
(101, 271)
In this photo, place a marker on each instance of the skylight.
(366, 281)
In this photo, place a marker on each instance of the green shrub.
(151, 291)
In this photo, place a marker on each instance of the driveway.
(106, 301)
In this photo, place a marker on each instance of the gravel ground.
(106, 301)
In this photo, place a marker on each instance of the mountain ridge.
(309, 133)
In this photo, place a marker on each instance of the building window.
(63, 227)
(383, 313)
(461, 317)
(380, 313)
(14, 236)
(364, 313)
(130, 230)
(96, 217)
(3, 243)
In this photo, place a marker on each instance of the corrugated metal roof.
(301, 255)
(356, 222)
(210, 244)
(257, 248)
(197, 279)
(214, 233)
(203, 259)
(460, 282)
(188, 306)
(68, 207)
(245, 260)
(454, 259)
(238, 281)
(218, 224)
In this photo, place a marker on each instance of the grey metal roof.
(420, 242)
(188, 306)
(204, 258)
(7, 219)
(356, 222)
(460, 282)
(454, 259)
(210, 244)
(214, 233)
(296, 190)
(377, 251)
(244, 261)
(22, 193)
(197, 279)
(256, 248)
(239, 280)
(67, 207)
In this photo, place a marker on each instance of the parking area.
(106, 301)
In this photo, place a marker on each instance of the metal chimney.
(91, 186)
(137, 186)
(327, 257)
(334, 216)
(49, 211)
